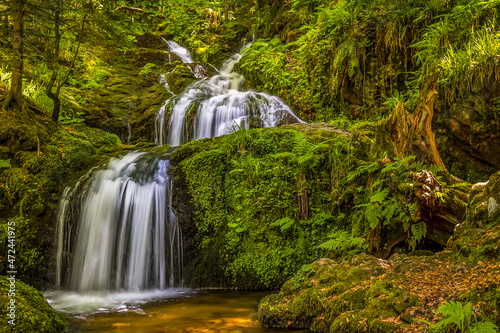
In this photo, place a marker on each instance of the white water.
(221, 107)
(125, 237)
(91, 302)
(182, 52)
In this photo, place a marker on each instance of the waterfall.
(127, 233)
(182, 52)
(220, 107)
(118, 234)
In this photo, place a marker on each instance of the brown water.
(221, 312)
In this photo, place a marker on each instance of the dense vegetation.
(408, 98)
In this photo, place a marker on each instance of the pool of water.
(179, 311)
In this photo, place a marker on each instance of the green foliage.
(245, 187)
(347, 54)
(341, 241)
(267, 59)
(96, 77)
(382, 203)
(183, 18)
(5, 164)
(461, 318)
(30, 257)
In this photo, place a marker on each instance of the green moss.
(348, 322)
(342, 303)
(44, 158)
(487, 300)
(244, 187)
(32, 313)
(180, 78)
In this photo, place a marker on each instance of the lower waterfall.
(128, 236)
(118, 233)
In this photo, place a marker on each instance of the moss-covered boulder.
(256, 211)
(366, 294)
(479, 236)
(360, 293)
(24, 309)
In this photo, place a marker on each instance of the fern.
(361, 170)
(460, 317)
(454, 314)
(373, 214)
(380, 195)
(485, 327)
(341, 241)
(418, 232)
(5, 164)
(283, 223)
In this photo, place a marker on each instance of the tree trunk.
(57, 107)
(439, 208)
(54, 96)
(16, 87)
(302, 198)
(55, 69)
(411, 134)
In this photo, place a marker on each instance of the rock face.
(468, 133)
(181, 202)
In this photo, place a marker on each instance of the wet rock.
(421, 253)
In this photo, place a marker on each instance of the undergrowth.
(269, 201)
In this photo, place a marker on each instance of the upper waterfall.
(219, 106)
(182, 52)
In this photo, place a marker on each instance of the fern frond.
(485, 327)
(341, 241)
(373, 214)
(380, 195)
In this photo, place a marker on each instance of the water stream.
(219, 105)
(119, 243)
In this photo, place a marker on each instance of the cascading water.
(220, 107)
(124, 235)
(119, 239)
(182, 52)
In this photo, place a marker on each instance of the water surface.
(205, 311)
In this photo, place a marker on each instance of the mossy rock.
(479, 236)
(352, 296)
(158, 57)
(152, 41)
(483, 210)
(180, 78)
(32, 312)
